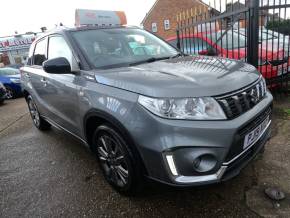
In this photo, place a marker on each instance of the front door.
(63, 95)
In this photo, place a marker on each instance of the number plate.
(254, 135)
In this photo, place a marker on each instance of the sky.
(29, 15)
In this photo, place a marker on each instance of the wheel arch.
(95, 118)
(25, 94)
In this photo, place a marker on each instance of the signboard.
(85, 17)
(15, 43)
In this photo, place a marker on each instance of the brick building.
(162, 17)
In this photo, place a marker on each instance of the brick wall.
(168, 10)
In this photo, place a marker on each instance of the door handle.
(44, 81)
(27, 75)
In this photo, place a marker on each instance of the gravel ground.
(52, 174)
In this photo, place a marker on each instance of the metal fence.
(256, 31)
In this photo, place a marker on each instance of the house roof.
(154, 5)
(149, 12)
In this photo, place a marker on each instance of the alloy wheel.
(112, 159)
(34, 112)
(9, 93)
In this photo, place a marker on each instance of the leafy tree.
(282, 26)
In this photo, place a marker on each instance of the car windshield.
(263, 34)
(108, 48)
(228, 39)
(8, 71)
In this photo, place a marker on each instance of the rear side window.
(39, 55)
(191, 45)
(57, 47)
(30, 56)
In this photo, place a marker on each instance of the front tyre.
(116, 160)
(38, 121)
(10, 94)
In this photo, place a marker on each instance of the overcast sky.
(30, 15)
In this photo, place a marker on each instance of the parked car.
(16, 66)
(270, 41)
(145, 109)
(2, 93)
(272, 62)
(10, 77)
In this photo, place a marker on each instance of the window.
(40, 53)
(229, 39)
(191, 45)
(6, 71)
(194, 45)
(166, 24)
(154, 27)
(107, 48)
(57, 47)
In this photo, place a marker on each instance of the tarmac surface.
(51, 174)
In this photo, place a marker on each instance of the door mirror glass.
(57, 66)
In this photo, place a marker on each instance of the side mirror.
(203, 52)
(212, 52)
(209, 52)
(57, 66)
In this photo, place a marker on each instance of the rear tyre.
(120, 168)
(10, 94)
(38, 121)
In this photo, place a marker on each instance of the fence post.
(253, 33)
(178, 39)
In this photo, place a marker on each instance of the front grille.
(237, 146)
(243, 100)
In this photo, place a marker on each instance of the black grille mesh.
(241, 101)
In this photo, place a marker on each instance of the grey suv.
(144, 108)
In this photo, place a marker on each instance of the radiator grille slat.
(240, 102)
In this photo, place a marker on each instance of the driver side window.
(57, 47)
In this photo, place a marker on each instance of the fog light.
(204, 163)
(196, 163)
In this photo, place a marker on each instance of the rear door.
(35, 76)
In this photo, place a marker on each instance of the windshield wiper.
(180, 54)
(153, 59)
(149, 60)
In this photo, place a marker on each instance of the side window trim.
(39, 40)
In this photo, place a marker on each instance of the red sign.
(13, 43)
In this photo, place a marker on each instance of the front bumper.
(157, 137)
(231, 168)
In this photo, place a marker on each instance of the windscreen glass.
(108, 48)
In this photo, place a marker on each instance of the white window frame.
(166, 24)
(154, 28)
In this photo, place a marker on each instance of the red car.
(272, 62)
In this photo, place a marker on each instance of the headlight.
(205, 108)
(15, 80)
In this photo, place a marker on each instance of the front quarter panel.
(115, 102)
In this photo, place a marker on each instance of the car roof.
(64, 29)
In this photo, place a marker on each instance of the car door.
(36, 76)
(62, 96)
